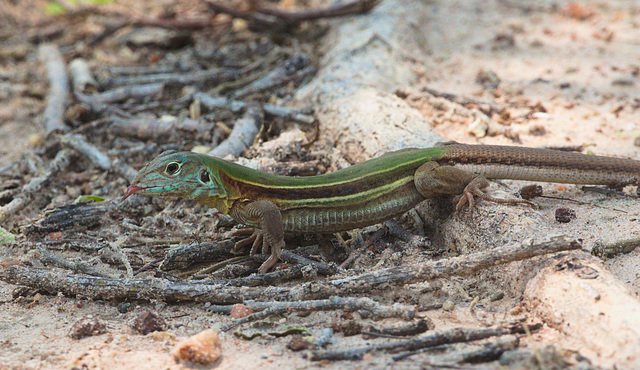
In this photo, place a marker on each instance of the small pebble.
(240, 310)
(148, 322)
(565, 215)
(87, 327)
(203, 348)
(448, 306)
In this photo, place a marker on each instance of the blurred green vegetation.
(55, 8)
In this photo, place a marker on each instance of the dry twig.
(156, 129)
(295, 115)
(98, 100)
(293, 69)
(58, 88)
(424, 341)
(98, 288)
(244, 133)
(378, 311)
(83, 80)
(197, 78)
(29, 191)
(460, 266)
(80, 144)
(358, 252)
(49, 258)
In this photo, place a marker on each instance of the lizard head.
(180, 174)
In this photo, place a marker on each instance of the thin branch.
(296, 115)
(49, 258)
(102, 288)
(378, 311)
(424, 341)
(459, 266)
(244, 133)
(58, 165)
(183, 256)
(156, 129)
(83, 80)
(322, 268)
(198, 78)
(358, 252)
(80, 144)
(97, 100)
(294, 69)
(58, 88)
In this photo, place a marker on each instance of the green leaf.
(54, 8)
(6, 237)
(88, 198)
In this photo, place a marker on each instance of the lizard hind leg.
(432, 180)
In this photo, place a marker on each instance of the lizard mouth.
(131, 190)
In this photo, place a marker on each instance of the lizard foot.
(474, 189)
(257, 239)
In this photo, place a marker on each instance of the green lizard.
(365, 193)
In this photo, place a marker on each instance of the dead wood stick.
(102, 288)
(114, 288)
(358, 252)
(322, 268)
(182, 256)
(424, 341)
(460, 266)
(120, 94)
(139, 70)
(267, 279)
(47, 257)
(58, 88)
(412, 240)
(407, 330)
(83, 80)
(80, 144)
(59, 164)
(606, 250)
(155, 129)
(296, 115)
(466, 100)
(7, 168)
(243, 134)
(294, 68)
(198, 78)
(77, 216)
(334, 303)
(186, 24)
(471, 354)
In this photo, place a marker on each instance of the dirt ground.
(561, 74)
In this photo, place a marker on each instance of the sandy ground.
(584, 72)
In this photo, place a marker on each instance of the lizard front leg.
(433, 180)
(269, 229)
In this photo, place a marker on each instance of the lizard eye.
(204, 176)
(172, 168)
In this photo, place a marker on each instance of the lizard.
(368, 192)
